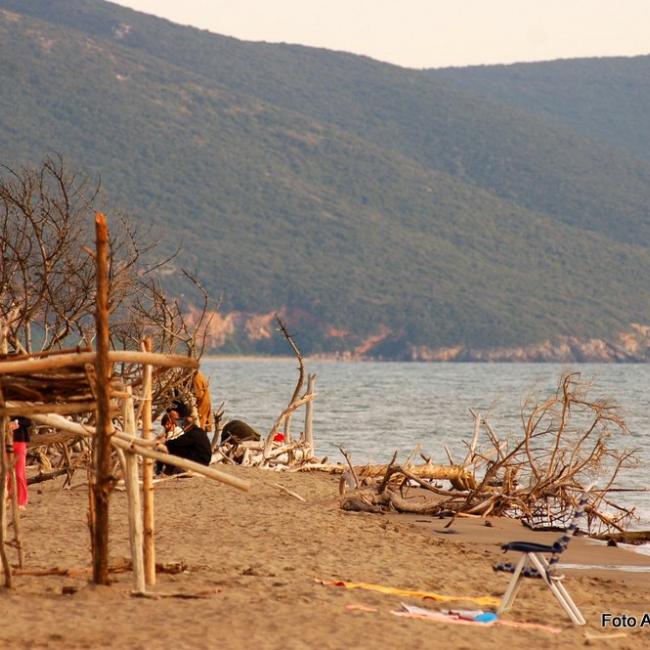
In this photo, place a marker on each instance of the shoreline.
(335, 359)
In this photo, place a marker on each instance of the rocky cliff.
(254, 332)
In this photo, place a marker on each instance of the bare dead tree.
(48, 278)
(47, 273)
(47, 270)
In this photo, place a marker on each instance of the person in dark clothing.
(193, 444)
(237, 431)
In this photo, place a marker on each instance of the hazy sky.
(427, 33)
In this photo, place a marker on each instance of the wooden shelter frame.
(46, 387)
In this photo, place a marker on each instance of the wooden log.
(30, 366)
(47, 353)
(131, 443)
(327, 468)
(458, 475)
(147, 475)
(626, 537)
(14, 407)
(284, 449)
(102, 483)
(153, 359)
(34, 365)
(426, 471)
(429, 507)
(40, 478)
(72, 429)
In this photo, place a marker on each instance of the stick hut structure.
(86, 396)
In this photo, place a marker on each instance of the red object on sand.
(278, 437)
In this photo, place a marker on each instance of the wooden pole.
(309, 416)
(136, 537)
(6, 567)
(134, 444)
(4, 425)
(147, 476)
(184, 463)
(103, 478)
(18, 408)
(28, 366)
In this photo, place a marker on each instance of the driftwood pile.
(279, 450)
(568, 442)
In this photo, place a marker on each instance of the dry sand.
(257, 556)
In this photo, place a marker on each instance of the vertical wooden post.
(147, 477)
(103, 479)
(4, 424)
(6, 567)
(136, 538)
(309, 415)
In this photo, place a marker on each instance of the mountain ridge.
(330, 219)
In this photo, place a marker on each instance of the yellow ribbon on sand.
(487, 601)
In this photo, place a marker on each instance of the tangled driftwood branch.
(568, 442)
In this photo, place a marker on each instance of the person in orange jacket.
(201, 391)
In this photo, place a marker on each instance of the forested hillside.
(366, 201)
(607, 99)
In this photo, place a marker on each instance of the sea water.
(372, 409)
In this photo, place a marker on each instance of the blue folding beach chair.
(533, 564)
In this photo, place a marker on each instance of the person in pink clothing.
(20, 428)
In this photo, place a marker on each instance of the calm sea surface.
(372, 409)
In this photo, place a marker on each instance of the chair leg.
(556, 582)
(577, 618)
(558, 590)
(513, 586)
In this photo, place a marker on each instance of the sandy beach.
(255, 560)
